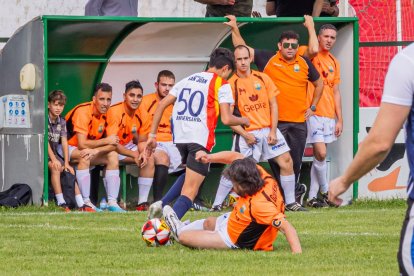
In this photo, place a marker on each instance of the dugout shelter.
(74, 53)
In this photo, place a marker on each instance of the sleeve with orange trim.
(80, 122)
(267, 213)
(225, 94)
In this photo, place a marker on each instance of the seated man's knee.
(84, 162)
(161, 158)
(112, 158)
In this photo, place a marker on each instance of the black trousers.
(295, 135)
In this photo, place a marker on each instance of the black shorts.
(188, 152)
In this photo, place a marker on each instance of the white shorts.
(130, 146)
(221, 228)
(262, 151)
(320, 130)
(70, 150)
(175, 157)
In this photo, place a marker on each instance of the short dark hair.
(289, 35)
(57, 95)
(327, 27)
(242, 46)
(133, 84)
(245, 173)
(103, 87)
(221, 57)
(165, 73)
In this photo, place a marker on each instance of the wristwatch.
(313, 108)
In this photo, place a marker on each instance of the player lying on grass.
(254, 222)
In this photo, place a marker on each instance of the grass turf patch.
(359, 239)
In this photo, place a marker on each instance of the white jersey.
(196, 109)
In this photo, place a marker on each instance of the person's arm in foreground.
(291, 236)
(228, 119)
(222, 157)
(373, 149)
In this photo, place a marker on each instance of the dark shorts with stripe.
(405, 254)
(188, 152)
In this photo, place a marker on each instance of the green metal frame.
(45, 140)
(135, 22)
(356, 100)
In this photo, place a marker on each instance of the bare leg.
(202, 239)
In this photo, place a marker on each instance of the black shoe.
(325, 199)
(198, 205)
(300, 193)
(316, 203)
(216, 208)
(295, 207)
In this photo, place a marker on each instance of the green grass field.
(361, 239)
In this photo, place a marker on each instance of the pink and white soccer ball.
(155, 232)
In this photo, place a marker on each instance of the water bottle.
(103, 204)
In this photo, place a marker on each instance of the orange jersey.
(81, 120)
(329, 68)
(149, 105)
(251, 98)
(251, 222)
(125, 126)
(291, 78)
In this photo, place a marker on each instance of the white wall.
(15, 13)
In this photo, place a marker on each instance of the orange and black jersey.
(291, 78)
(81, 120)
(149, 105)
(254, 220)
(125, 126)
(252, 97)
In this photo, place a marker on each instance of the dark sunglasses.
(287, 45)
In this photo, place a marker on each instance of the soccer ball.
(155, 232)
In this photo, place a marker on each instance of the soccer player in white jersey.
(198, 100)
(397, 107)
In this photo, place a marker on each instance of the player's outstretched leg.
(172, 221)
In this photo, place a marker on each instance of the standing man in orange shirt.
(131, 126)
(254, 96)
(166, 156)
(89, 145)
(291, 74)
(322, 126)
